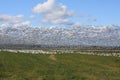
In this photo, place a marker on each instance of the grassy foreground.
(58, 67)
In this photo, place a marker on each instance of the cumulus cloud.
(53, 12)
(92, 19)
(76, 35)
(11, 19)
(14, 21)
(45, 7)
(22, 24)
(32, 16)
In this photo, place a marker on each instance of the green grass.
(67, 67)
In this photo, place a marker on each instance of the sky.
(60, 22)
(63, 12)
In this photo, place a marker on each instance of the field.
(23, 66)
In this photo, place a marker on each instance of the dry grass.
(53, 57)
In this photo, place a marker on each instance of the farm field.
(23, 66)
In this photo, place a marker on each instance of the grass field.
(58, 67)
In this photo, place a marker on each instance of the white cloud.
(22, 24)
(11, 19)
(76, 35)
(32, 16)
(92, 19)
(53, 12)
(77, 24)
(45, 7)
(14, 21)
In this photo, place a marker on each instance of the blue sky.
(19, 19)
(93, 12)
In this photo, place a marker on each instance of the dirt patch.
(52, 57)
